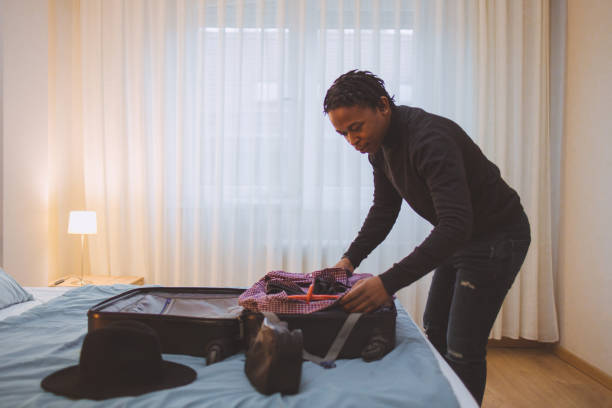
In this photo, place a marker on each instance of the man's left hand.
(365, 296)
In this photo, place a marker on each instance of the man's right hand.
(345, 263)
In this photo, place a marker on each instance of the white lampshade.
(82, 222)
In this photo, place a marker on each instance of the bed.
(45, 334)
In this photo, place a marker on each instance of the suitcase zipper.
(169, 301)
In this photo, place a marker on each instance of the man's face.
(363, 127)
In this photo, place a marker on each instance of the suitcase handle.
(337, 344)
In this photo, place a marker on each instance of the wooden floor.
(535, 377)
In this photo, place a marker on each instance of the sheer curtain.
(209, 161)
(485, 64)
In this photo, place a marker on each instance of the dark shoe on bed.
(274, 359)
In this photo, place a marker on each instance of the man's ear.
(384, 104)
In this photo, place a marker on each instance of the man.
(480, 236)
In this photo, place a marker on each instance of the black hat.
(123, 359)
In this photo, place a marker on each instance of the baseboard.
(581, 365)
(505, 342)
(565, 355)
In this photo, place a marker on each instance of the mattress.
(224, 384)
(41, 295)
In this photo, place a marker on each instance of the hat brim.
(66, 382)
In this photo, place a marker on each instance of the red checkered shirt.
(255, 298)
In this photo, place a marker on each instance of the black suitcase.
(319, 330)
(188, 320)
(208, 322)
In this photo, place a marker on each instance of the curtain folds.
(209, 161)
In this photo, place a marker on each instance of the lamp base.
(81, 280)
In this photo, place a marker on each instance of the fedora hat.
(123, 359)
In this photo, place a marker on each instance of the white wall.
(25, 249)
(585, 263)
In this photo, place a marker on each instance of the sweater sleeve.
(440, 163)
(379, 221)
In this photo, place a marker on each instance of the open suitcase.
(208, 322)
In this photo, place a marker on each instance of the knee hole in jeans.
(459, 357)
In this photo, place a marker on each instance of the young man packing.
(480, 236)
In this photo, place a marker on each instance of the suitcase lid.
(185, 302)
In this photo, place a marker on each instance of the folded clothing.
(270, 293)
(283, 285)
(324, 284)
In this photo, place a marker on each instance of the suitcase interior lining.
(200, 305)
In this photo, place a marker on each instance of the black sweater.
(430, 162)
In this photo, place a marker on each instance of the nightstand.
(98, 280)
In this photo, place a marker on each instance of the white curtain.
(485, 64)
(209, 161)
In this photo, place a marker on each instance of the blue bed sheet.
(49, 337)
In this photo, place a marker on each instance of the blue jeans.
(465, 296)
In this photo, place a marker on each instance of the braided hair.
(361, 88)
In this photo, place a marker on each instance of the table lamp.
(83, 223)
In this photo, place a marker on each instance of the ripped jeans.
(465, 296)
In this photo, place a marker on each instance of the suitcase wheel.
(218, 349)
(214, 354)
(376, 348)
